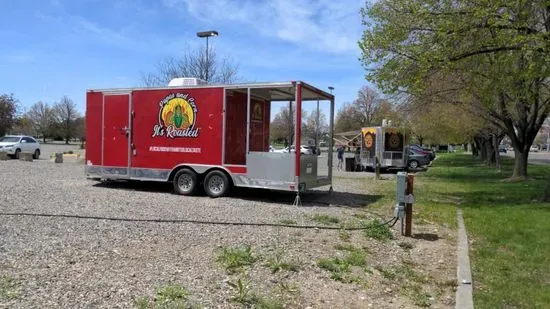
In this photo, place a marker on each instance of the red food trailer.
(196, 135)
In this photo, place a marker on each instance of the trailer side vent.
(186, 81)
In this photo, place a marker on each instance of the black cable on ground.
(196, 221)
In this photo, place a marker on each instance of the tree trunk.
(495, 149)
(44, 139)
(483, 149)
(520, 166)
(66, 141)
(490, 152)
(546, 194)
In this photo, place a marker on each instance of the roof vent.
(186, 81)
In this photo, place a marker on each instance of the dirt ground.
(83, 244)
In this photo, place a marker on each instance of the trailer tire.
(216, 184)
(185, 182)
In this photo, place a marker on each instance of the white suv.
(15, 144)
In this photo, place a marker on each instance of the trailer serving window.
(247, 134)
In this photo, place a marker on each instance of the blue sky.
(52, 48)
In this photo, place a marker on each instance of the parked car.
(314, 149)
(15, 144)
(417, 158)
(534, 148)
(303, 149)
(425, 150)
(502, 148)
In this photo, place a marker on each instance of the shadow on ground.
(426, 236)
(315, 198)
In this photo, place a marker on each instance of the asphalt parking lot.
(70, 242)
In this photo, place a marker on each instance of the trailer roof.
(278, 91)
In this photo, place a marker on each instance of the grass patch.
(234, 258)
(410, 283)
(344, 236)
(340, 268)
(249, 299)
(9, 288)
(376, 230)
(326, 219)
(508, 224)
(171, 295)
(288, 222)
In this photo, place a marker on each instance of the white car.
(15, 144)
(303, 149)
(534, 148)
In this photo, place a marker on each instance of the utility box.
(400, 190)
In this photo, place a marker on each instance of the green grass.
(509, 226)
(375, 229)
(326, 219)
(340, 268)
(234, 258)
(288, 222)
(9, 288)
(171, 295)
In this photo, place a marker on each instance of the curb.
(464, 299)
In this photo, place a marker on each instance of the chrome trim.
(130, 130)
(150, 174)
(309, 87)
(244, 181)
(223, 124)
(331, 141)
(247, 121)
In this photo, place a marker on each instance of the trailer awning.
(284, 91)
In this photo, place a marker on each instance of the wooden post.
(408, 206)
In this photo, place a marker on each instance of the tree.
(66, 114)
(498, 51)
(193, 64)
(368, 104)
(309, 127)
(8, 112)
(282, 127)
(368, 109)
(348, 118)
(80, 125)
(22, 125)
(41, 116)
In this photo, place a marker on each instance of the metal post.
(317, 127)
(206, 59)
(409, 205)
(331, 141)
(248, 121)
(297, 136)
(290, 126)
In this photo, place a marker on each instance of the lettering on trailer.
(177, 117)
(174, 149)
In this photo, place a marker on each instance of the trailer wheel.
(185, 182)
(216, 184)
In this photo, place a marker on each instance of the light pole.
(207, 34)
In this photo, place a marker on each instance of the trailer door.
(116, 134)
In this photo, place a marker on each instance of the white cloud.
(329, 26)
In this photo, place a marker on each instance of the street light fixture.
(330, 88)
(207, 34)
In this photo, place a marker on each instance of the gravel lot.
(58, 261)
